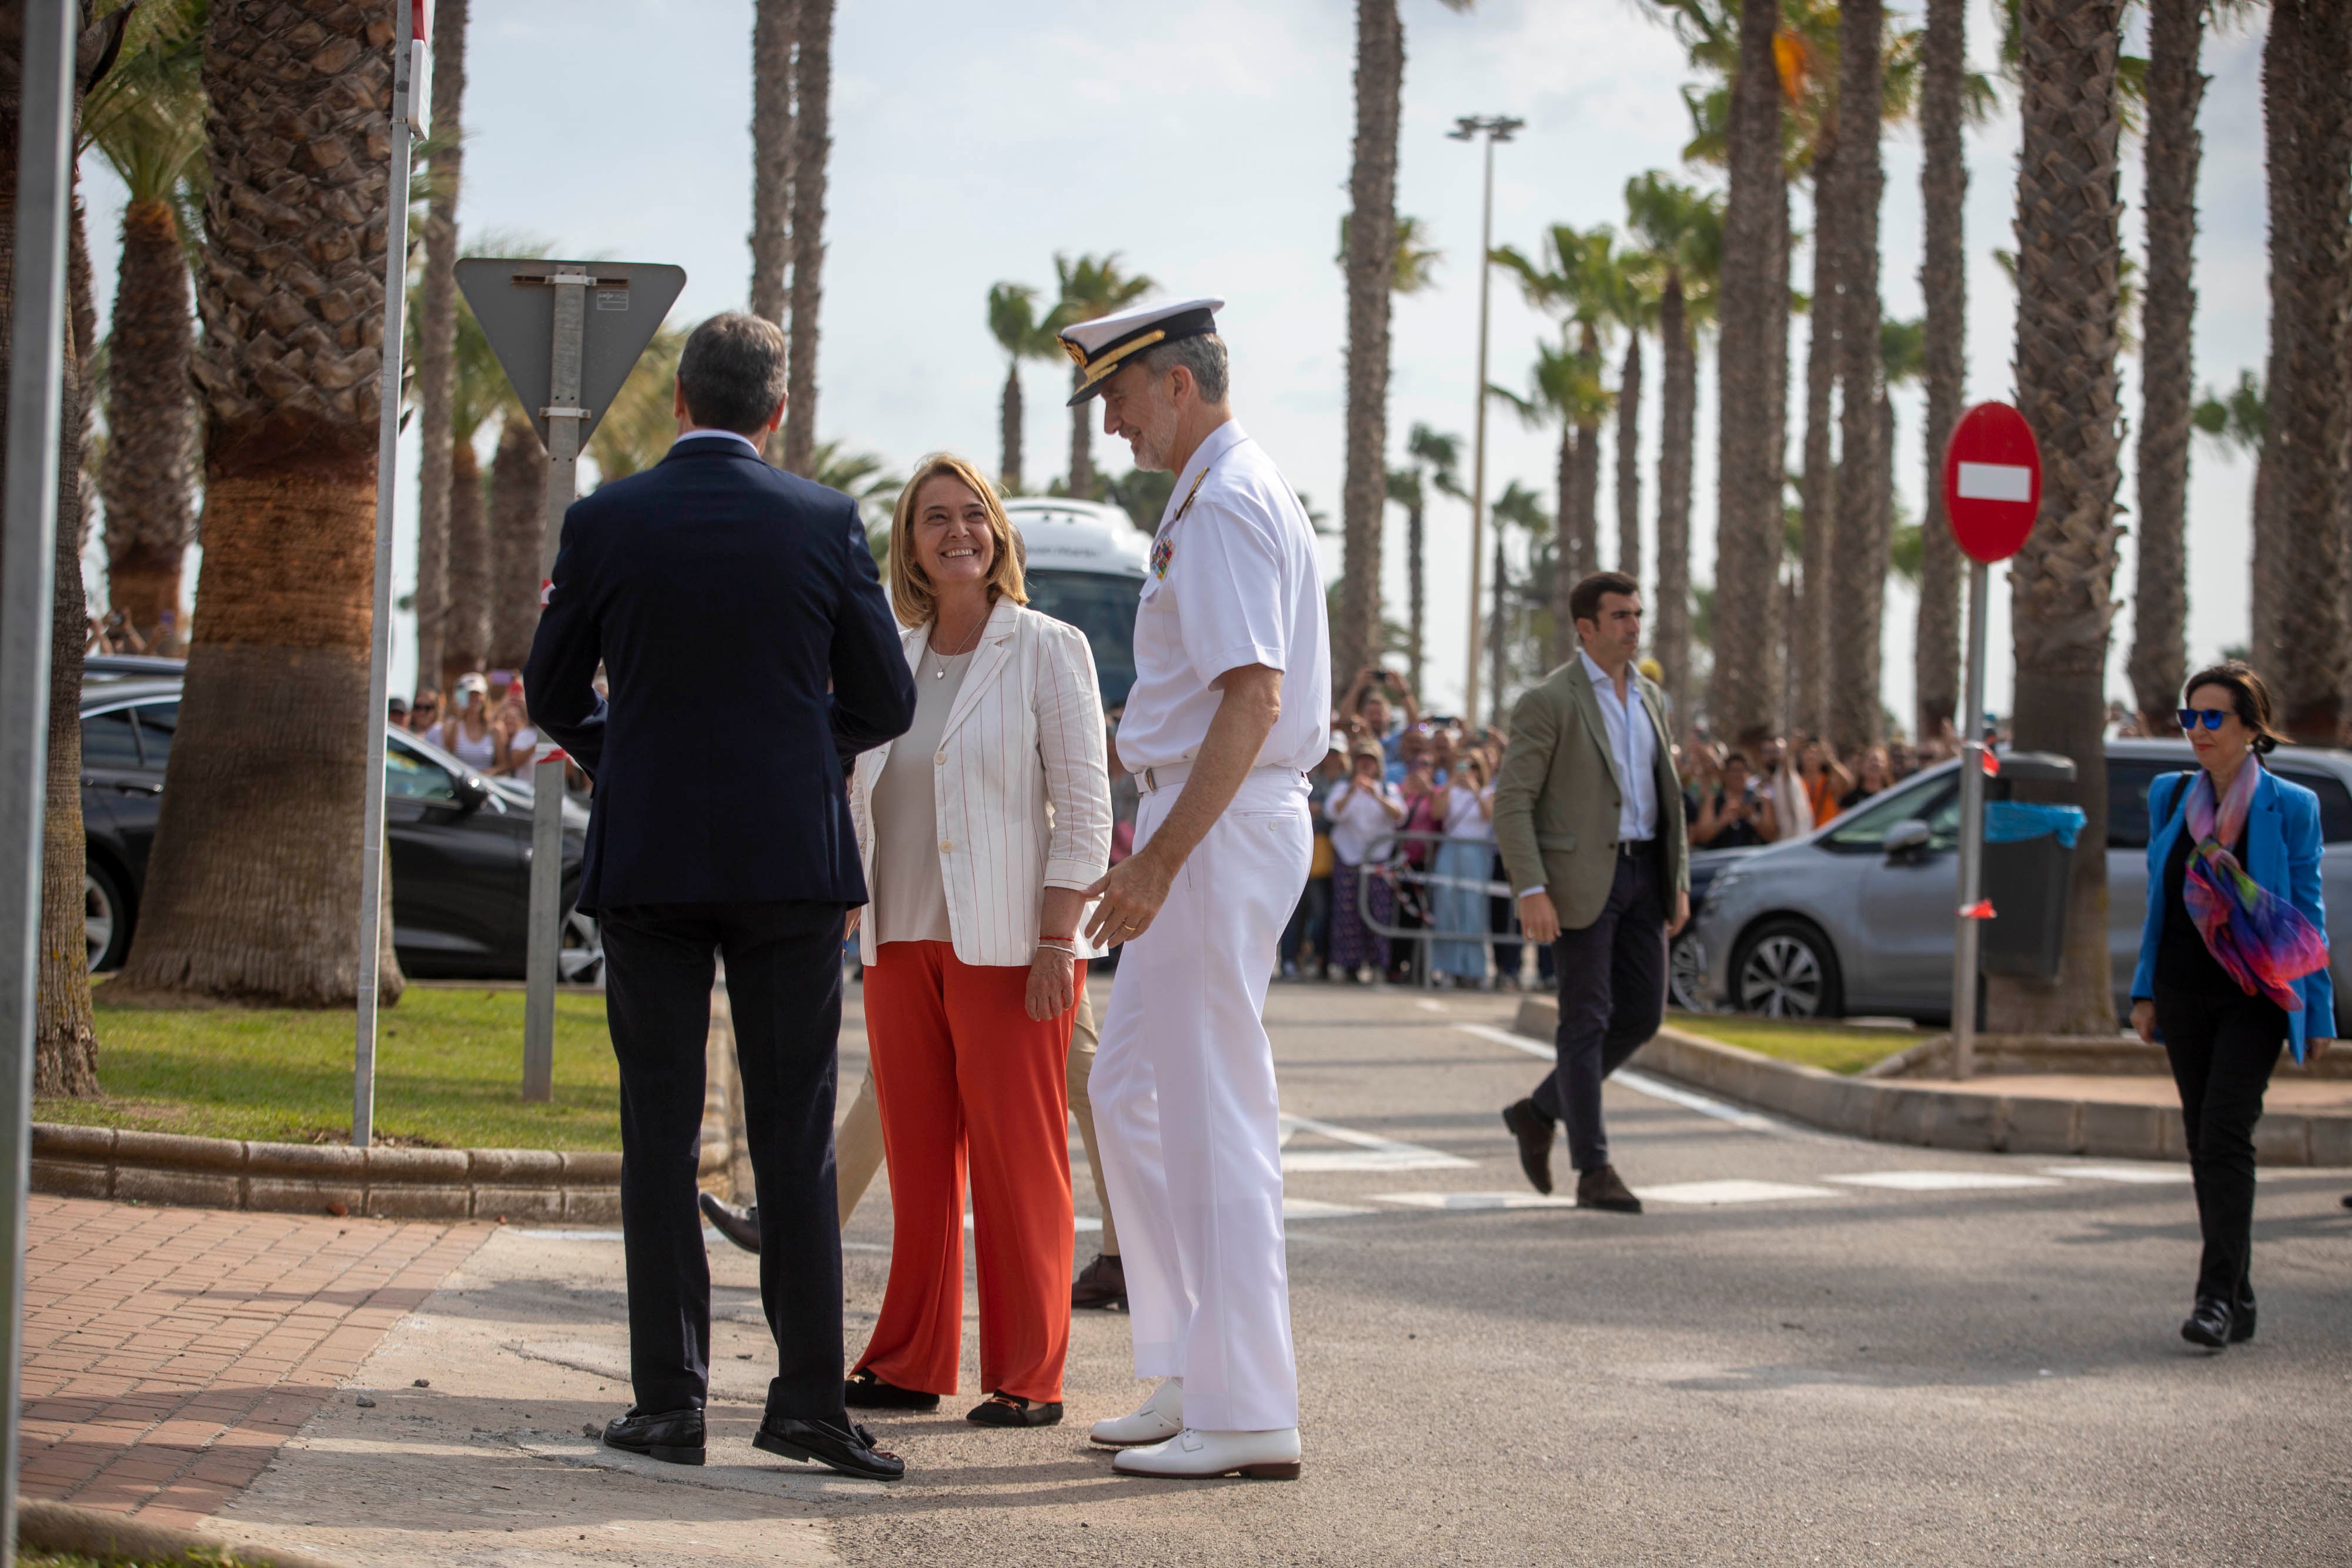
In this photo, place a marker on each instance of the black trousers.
(2222, 1047)
(784, 988)
(1612, 997)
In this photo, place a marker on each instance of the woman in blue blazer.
(2232, 963)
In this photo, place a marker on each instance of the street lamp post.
(1469, 128)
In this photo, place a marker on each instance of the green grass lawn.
(1839, 1048)
(448, 1073)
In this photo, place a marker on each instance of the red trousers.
(959, 1068)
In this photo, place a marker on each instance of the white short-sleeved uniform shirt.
(1233, 582)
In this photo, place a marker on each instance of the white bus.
(1085, 564)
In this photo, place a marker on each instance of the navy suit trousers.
(1612, 997)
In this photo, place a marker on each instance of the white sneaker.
(1193, 1455)
(1161, 1417)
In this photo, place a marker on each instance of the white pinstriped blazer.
(1024, 786)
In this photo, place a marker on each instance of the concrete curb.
(95, 1532)
(1893, 1111)
(519, 1186)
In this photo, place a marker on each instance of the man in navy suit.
(750, 656)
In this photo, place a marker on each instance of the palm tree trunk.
(1082, 446)
(473, 569)
(772, 155)
(518, 504)
(2269, 565)
(436, 335)
(812, 144)
(149, 492)
(1743, 690)
(1943, 277)
(1497, 652)
(1772, 479)
(1677, 400)
(252, 891)
(1565, 568)
(1009, 429)
(2061, 583)
(1628, 459)
(1415, 599)
(1816, 491)
(2307, 124)
(1371, 272)
(2159, 655)
(1857, 560)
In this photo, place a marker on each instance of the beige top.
(910, 895)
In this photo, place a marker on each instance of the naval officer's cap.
(1100, 346)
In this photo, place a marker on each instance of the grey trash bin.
(2025, 876)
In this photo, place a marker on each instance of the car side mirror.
(473, 794)
(1906, 842)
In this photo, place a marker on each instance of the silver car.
(1856, 917)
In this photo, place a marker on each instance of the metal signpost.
(1992, 488)
(407, 122)
(567, 333)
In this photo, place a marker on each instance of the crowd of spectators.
(485, 723)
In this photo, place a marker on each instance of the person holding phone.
(1364, 812)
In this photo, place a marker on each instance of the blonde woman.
(979, 828)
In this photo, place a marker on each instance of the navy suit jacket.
(723, 598)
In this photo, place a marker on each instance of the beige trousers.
(857, 1142)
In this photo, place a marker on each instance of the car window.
(108, 740)
(2127, 781)
(408, 777)
(2334, 802)
(156, 723)
(1102, 606)
(1864, 829)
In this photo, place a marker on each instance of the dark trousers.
(1612, 997)
(2222, 1047)
(784, 988)
(1498, 921)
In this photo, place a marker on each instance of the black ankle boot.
(2209, 1323)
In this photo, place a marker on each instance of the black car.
(461, 842)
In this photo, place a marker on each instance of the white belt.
(1173, 774)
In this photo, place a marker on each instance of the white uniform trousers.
(1189, 1118)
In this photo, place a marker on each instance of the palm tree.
(1746, 683)
(812, 143)
(2159, 655)
(2238, 421)
(2061, 582)
(148, 121)
(509, 525)
(1943, 278)
(2308, 126)
(1634, 305)
(1683, 228)
(1520, 508)
(1565, 386)
(252, 891)
(1433, 462)
(1857, 546)
(771, 157)
(1012, 322)
(1091, 286)
(436, 338)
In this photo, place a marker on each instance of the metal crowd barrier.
(1387, 862)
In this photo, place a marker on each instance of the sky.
(1209, 146)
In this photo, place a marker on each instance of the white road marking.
(1943, 1181)
(1082, 1224)
(1368, 1151)
(1505, 1037)
(1729, 1191)
(1643, 1083)
(1429, 1004)
(1463, 1202)
(1311, 1208)
(2150, 1175)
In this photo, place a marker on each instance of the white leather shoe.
(1161, 1417)
(1193, 1455)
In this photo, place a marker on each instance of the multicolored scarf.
(2263, 940)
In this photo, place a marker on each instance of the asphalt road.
(1809, 1350)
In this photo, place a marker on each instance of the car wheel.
(581, 960)
(1686, 974)
(1786, 968)
(105, 919)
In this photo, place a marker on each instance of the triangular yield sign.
(516, 306)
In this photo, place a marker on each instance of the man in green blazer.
(1589, 818)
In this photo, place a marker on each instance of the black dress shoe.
(1533, 1129)
(1002, 1409)
(861, 1390)
(847, 1449)
(740, 1226)
(1602, 1188)
(1101, 1283)
(674, 1436)
(2242, 1320)
(2209, 1323)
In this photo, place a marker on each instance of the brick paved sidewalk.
(168, 1351)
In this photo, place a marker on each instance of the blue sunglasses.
(2211, 717)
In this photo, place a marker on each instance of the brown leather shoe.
(1533, 1129)
(1101, 1283)
(1603, 1188)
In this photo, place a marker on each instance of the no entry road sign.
(1992, 482)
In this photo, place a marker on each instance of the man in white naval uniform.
(1233, 687)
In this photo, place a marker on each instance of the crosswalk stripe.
(1728, 1191)
(1943, 1181)
(1643, 1083)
